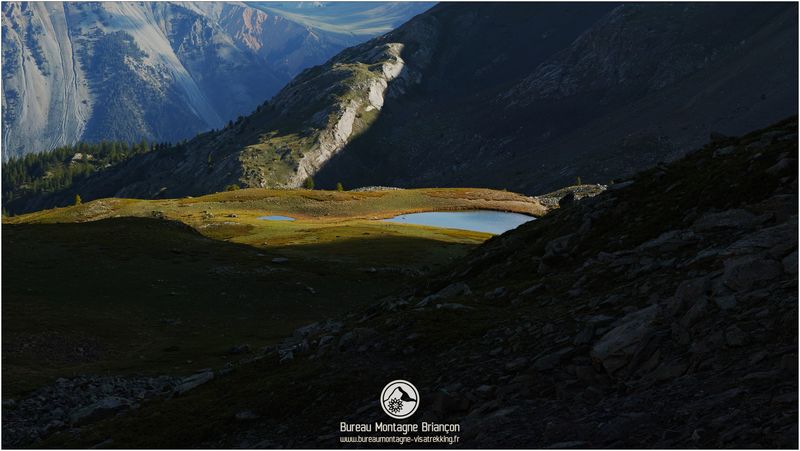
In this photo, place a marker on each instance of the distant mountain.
(524, 96)
(355, 20)
(159, 71)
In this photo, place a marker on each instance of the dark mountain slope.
(643, 84)
(661, 313)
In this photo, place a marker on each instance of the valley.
(518, 225)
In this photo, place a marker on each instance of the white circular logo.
(399, 399)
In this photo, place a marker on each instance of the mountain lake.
(275, 218)
(487, 221)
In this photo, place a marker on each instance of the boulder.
(453, 306)
(741, 273)
(99, 410)
(727, 150)
(329, 327)
(356, 337)
(454, 289)
(444, 404)
(669, 241)
(286, 355)
(620, 185)
(790, 264)
(667, 371)
(307, 330)
(725, 302)
(246, 415)
(764, 239)
(687, 293)
(326, 340)
(697, 311)
(427, 300)
(498, 292)
(728, 219)
(616, 347)
(568, 199)
(680, 334)
(239, 349)
(551, 360)
(557, 246)
(734, 336)
(532, 289)
(516, 364)
(194, 381)
(485, 391)
(585, 335)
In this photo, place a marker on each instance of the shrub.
(339, 186)
(232, 187)
(309, 183)
(78, 200)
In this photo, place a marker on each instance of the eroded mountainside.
(156, 71)
(286, 140)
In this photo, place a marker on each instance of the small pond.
(487, 221)
(275, 218)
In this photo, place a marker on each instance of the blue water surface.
(487, 221)
(275, 218)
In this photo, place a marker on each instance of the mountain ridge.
(533, 143)
(155, 71)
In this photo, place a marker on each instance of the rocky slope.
(660, 313)
(132, 71)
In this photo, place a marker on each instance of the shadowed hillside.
(661, 313)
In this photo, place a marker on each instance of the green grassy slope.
(168, 286)
(322, 217)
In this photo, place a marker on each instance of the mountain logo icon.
(399, 399)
